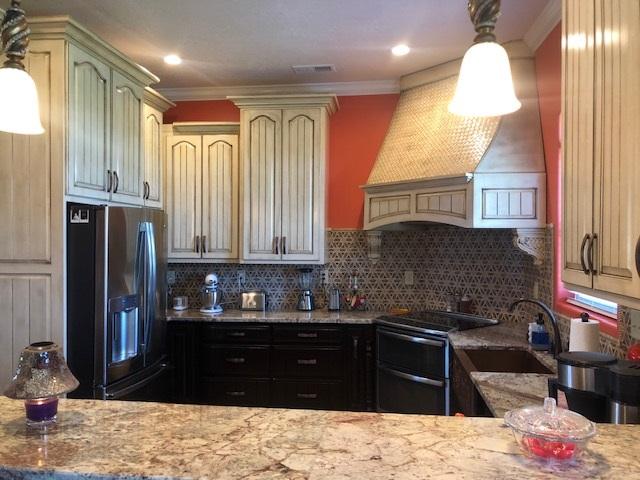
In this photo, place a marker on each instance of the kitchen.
(366, 245)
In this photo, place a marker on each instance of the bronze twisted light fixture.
(485, 86)
(19, 108)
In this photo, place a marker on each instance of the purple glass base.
(41, 411)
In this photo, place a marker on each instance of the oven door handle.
(409, 338)
(412, 378)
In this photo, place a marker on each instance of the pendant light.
(485, 86)
(19, 108)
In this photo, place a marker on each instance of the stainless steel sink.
(510, 361)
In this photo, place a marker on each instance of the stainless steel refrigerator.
(116, 302)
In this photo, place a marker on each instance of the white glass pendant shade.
(19, 108)
(485, 85)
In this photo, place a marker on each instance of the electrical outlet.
(324, 277)
(408, 277)
(242, 278)
(634, 318)
(171, 277)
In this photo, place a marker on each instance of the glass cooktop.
(435, 322)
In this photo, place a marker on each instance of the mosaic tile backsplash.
(483, 264)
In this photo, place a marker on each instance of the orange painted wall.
(357, 130)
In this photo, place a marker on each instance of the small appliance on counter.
(254, 300)
(624, 392)
(210, 295)
(306, 302)
(598, 386)
(334, 300)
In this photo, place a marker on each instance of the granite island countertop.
(116, 440)
(314, 316)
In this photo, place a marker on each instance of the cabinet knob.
(236, 360)
(307, 361)
(307, 395)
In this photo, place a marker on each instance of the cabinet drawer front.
(307, 334)
(222, 360)
(237, 334)
(325, 362)
(304, 394)
(221, 391)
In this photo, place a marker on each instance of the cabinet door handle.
(638, 256)
(307, 361)
(109, 181)
(235, 394)
(117, 182)
(355, 348)
(236, 360)
(307, 395)
(148, 188)
(236, 334)
(274, 245)
(204, 244)
(590, 250)
(586, 238)
(144, 190)
(197, 244)
(284, 245)
(307, 335)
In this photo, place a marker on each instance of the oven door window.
(425, 357)
(404, 393)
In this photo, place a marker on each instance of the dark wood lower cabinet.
(464, 395)
(280, 365)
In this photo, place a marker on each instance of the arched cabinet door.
(220, 196)
(183, 195)
(89, 126)
(261, 135)
(152, 165)
(302, 181)
(126, 144)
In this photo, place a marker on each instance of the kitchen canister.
(584, 335)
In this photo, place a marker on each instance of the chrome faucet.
(557, 346)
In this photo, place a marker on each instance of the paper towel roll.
(584, 336)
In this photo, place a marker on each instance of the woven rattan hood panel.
(426, 141)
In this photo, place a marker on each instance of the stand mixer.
(210, 295)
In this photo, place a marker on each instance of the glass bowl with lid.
(550, 433)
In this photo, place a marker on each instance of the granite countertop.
(314, 316)
(506, 391)
(130, 440)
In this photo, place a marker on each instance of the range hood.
(467, 171)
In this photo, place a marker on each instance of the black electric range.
(435, 322)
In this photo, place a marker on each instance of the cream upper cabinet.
(89, 158)
(284, 158)
(220, 196)
(126, 140)
(184, 204)
(302, 185)
(601, 145)
(261, 135)
(153, 149)
(152, 185)
(105, 131)
(202, 191)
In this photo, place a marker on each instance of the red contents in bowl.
(549, 449)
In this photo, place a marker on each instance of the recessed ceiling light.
(172, 59)
(400, 50)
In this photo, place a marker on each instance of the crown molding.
(370, 87)
(542, 26)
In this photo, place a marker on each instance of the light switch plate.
(408, 277)
(634, 317)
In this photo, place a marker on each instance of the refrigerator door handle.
(150, 282)
(114, 395)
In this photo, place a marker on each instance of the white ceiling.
(255, 42)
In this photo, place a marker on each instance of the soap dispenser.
(538, 335)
